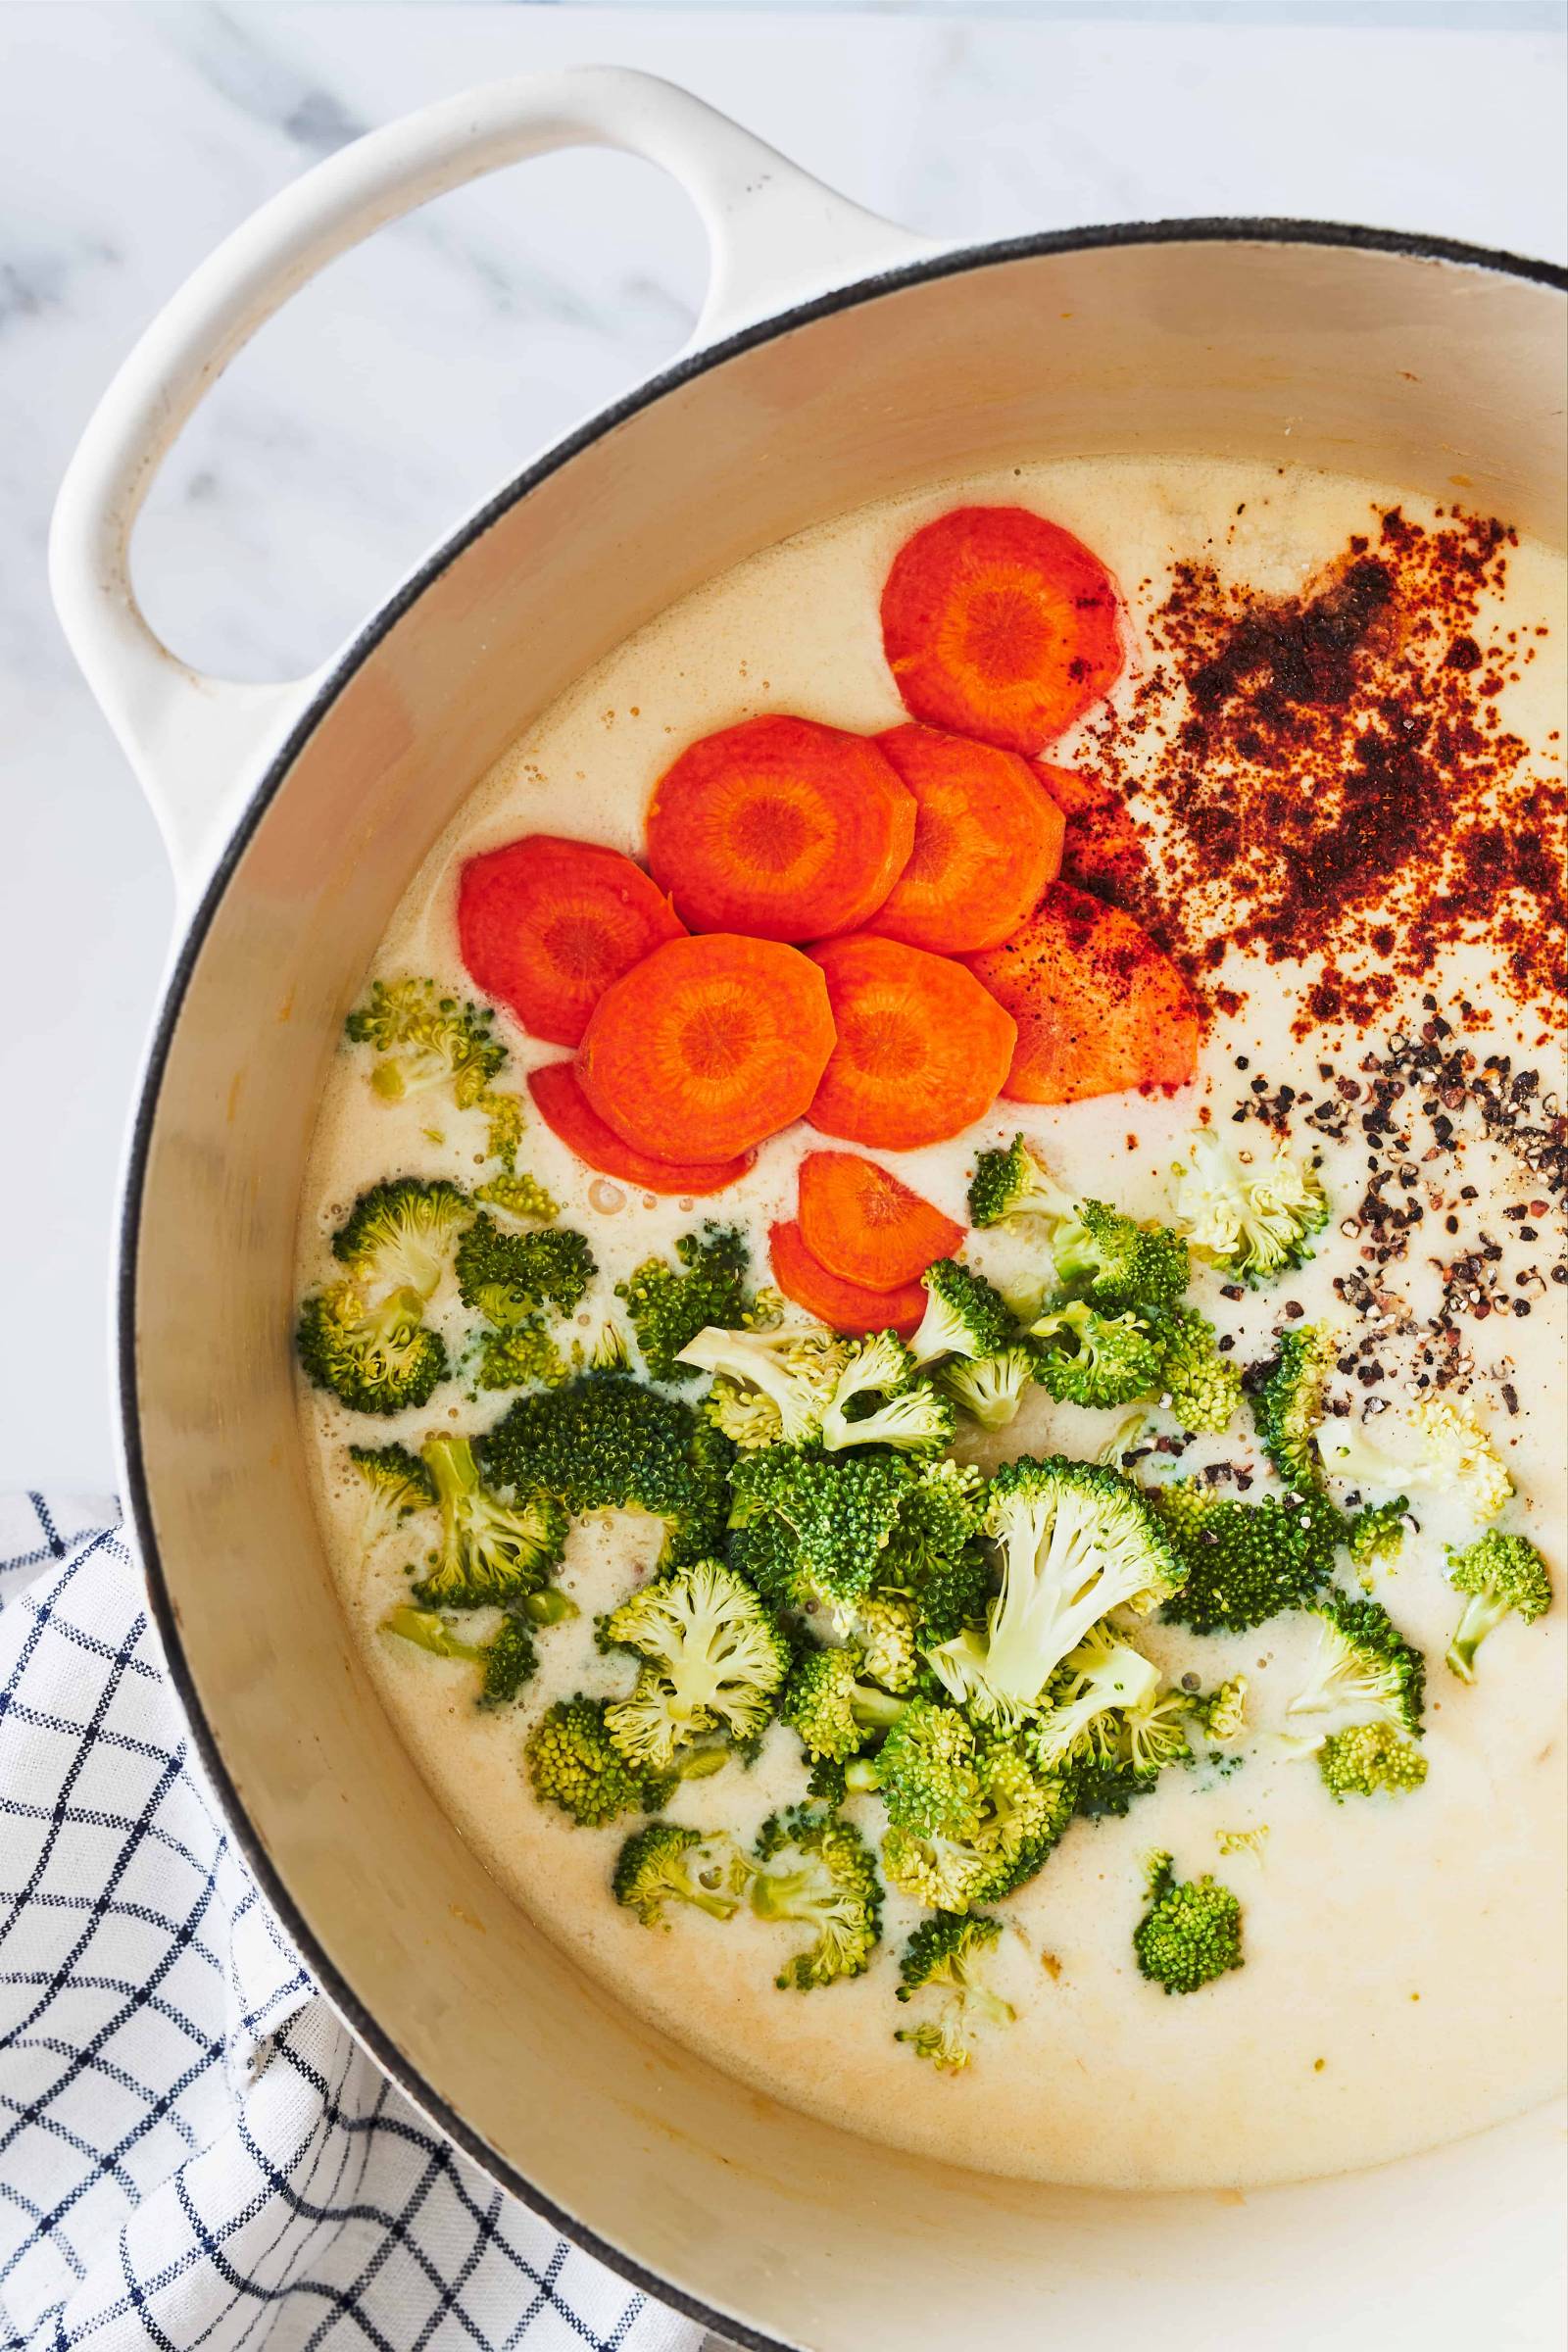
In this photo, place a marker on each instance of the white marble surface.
(424, 369)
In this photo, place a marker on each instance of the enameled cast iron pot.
(295, 816)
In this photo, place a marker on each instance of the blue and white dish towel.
(193, 2151)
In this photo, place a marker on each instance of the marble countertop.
(421, 372)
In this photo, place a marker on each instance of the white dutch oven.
(295, 816)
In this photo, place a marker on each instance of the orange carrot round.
(707, 1046)
(1099, 1009)
(1105, 850)
(865, 1226)
(568, 1113)
(922, 1049)
(544, 925)
(987, 841)
(846, 1307)
(1000, 625)
(780, 828)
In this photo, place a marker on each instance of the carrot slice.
(922, 1048)
(1000, 625)
(1099, 1007)
(568, 1112)
(986, 839)
(546, 925)
(1105, 850)
(707, 1046)
(844, 1306)
(865, 1225)
(780, 828)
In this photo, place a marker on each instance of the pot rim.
(366, 2028)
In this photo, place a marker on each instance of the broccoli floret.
(507, 1276)
(424, 1038)
(713, 1660)
(1221, 1713)
(397, 1235)
(1077, 1541)
(1014, 1819)
(1366, 1757)
(1288, 1406)
(840, 1511)
(1443, 1449)
(990, 1388)
(1011, 1183)
(1089, 1697)
(1085, 1358)
(1113, 1261)
(814, 1869)
(949, 1956)
(1203, 1383)
(396, 1484)
(769, 1386)
(669, 1308)
(661, 1864)
(933, 1559)
(1156, 1732)
(523, 1356)
(964, 1314)
(887, 1631)
(522, 1197)
(606, 1351)
(574, 1763)
(505, 1661)
(1246, 1562)
(912, 1416)
(375, 1359)
(1254, 1220)
(1364, 1672)
(1503, 1576)
(927, 1770)
(1378, 1533)
(1106, 1788)
(489, 1550)
(605, 1443)
(834, 1712)
(1192, 1933)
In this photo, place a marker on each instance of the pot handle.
(776, 237)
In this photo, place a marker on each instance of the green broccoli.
(669, 1308)
(505, 1661)
(971, 1854)
(1448, 1453)
(489, 1550)
(606, 1351)
(397, 1235)
(840, 1511)
(574, 1763)
(1288, 1406)
(834, 1713)
(887, 1632)
(1088, 1699)
(814, 1869)
(1221, 1713)
(427, 1039)
(1192, 1933)
(964, 1314)
(522, 1355)
(1104, 1788)
(990, 1388)
(1503, 1576)
(607, 1443)
(507, 1276)
(373, 1358)
(503, 1121)
(1112, 1260)
(713, 1660)
(1085, 1358)
(1254, 1220)
(1077, 1541)
(927, 1770)
(661, 1864)
(1378, 1532)
(1201, 1384)
(1156, 1731)
(912, 1416)
(1011, 1183)
(522, 1197)
(1366, 1757)
(1246, 1562)
(1364, 1670)
(949, 1955)
(396, 1483)
(769, 1386)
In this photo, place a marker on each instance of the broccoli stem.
(1483, 1612)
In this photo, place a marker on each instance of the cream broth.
(1403, 1976)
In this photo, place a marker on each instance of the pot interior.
(1420, 373)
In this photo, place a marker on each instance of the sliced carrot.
(1000, 625)
(922, 1049)
(865, 1225)
(844, 1306)
(1105, 850)
(568, 1112)
(780, 828)
(1099, 1007)
(707, 1046)
(986, 839)
(546, 925)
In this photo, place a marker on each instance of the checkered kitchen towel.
(192, 2149)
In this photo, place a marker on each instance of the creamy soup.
(1403, 1971)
